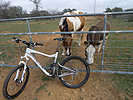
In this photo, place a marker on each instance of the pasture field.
(100, 86)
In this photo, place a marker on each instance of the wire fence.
(115, 56)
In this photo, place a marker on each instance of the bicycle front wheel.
(81, 75)
(12, 88)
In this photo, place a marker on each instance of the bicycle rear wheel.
(12, 88)
(81, 75)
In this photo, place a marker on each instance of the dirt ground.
(98, 87)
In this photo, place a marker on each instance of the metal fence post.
(104, 36)
(28, 26)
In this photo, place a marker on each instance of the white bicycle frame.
(28, 54)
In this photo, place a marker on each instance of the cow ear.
(86, 43)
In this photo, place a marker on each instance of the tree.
(108, 10)
(129, 9)
(117, 9)
(54, 12)
(36, 2)
(44, 13)
(16, 11)
(130, 17)
(69, 10)
(8, 11)
(4, 9)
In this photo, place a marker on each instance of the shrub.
(130, 18)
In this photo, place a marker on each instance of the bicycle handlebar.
(28, 44)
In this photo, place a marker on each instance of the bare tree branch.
(36, 2)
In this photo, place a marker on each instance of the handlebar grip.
(16, 39)
(39, 44)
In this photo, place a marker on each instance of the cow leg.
(63, 53)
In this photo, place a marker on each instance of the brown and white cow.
(95, 40)
(71, 24)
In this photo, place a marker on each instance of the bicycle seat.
(60, 39)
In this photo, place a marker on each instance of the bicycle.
(68, 70)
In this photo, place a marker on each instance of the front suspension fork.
(24, 70)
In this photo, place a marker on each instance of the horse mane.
(65, 24)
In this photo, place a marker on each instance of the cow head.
(89, 52)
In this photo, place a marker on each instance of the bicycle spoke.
(79, 74)
(13, 87)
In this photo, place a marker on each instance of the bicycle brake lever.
(16, 40)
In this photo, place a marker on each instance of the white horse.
(71, 24)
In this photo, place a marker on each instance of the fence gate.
(116, 55)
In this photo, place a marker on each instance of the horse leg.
(63, 53)
(99, 48)
(79, 39)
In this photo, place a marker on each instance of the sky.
(82, 5)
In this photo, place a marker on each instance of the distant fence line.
(77, 32)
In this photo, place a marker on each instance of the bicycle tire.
(8, 91)
(75, 61)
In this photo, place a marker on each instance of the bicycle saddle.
(60, 39)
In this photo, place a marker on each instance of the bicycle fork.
(18, 71)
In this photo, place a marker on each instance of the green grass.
(119, 24)
(119, 50)
(124, 84)
(42, 87)
(49, 93)
(35, 99)
(13, 27)
(35, 26)
(45, 78)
